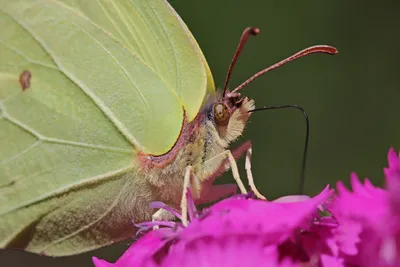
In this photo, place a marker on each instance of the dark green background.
(352, 98)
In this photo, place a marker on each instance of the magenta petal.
(320, 240)
(367, 203)
(239, 231)
(141, 252)
(368, 217)
(330, 261)
(275, 221)
(231, 251)
(358, 187)
(293, 198)
(362, 230)
(101, 263)
(348, 236)
(393, 159)
(368, 208)
(392, 174)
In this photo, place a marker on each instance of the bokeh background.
(352, 98)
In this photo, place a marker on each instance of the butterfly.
(106, 106)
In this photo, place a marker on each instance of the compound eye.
(221, 114)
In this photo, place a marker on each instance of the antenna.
(243, 39)
(310, 50)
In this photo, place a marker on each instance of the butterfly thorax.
(201, 144)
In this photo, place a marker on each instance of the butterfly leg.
(224, 161)
(215, 167)
(187, 181)
(236, 153)
(190, 180)
(235, 172)
(247, 166)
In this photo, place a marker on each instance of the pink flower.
(239, 231)
(369, 219)
(141, 252)
(362, 230)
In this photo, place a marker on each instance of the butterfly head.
(230, 115)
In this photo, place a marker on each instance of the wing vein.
(115, 25)
(178, 74)
(119, 65)
(117, 41)
(27, 58)
(21, 125)
(20, 153)
(107, 112)
(86, 145)
(84, 183)
(87, 226)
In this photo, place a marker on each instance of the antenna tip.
(254, 31)
(331, 50)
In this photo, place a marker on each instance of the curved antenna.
(304, 162)
(310, 50)
(243, 39)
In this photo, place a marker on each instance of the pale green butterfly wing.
(109, 79)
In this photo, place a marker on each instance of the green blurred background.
(352, 98)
